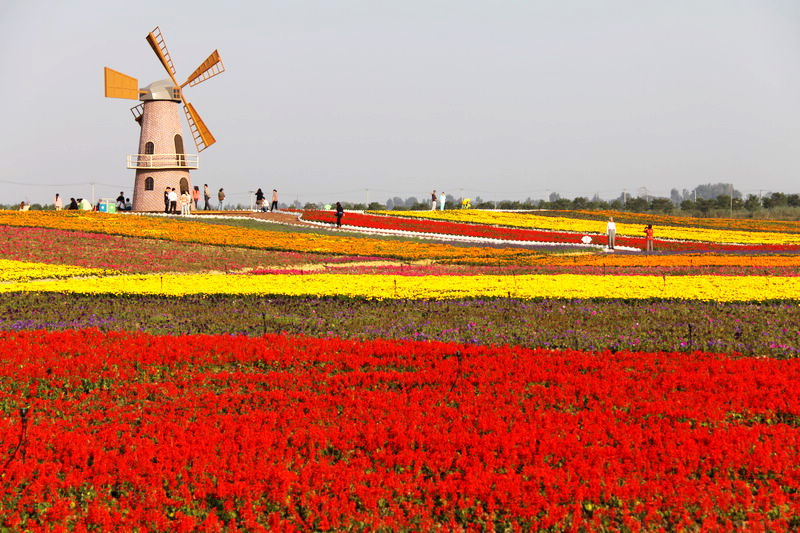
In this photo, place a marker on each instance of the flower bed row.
(193, 231)
(23, 271)
(754, 329)
(141, 255)
(777, 226)
(776, 240)
(132, 431)
(527, 286)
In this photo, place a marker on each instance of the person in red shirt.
(648, 237)
(196, 197)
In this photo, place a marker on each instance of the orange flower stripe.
(183, 230)
(527, 220)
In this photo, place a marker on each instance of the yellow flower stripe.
(22, 270)
(527, 220)
(687, 260)
(183, 230)
(720, 288)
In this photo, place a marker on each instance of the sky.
(356, 100)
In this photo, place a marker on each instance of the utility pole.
(731, 211)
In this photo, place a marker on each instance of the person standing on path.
(186, 203)
(433, 200)
(206, 197)
(611, 231)
(442, 200)
(648, 238)
(221, 197)
(58, 204)
(196, 197)
(166, 200)
(173, 201)
(339, 214)
(274, 204)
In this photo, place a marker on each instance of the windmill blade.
(202, 137)
(207, 69)
(119, 85)
(160, 48)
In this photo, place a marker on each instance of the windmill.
(161, 161)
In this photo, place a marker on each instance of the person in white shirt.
(611, 231)
(442, 199)
(173, 201)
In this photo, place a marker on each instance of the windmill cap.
(160, 90)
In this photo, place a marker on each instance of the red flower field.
(130, 430)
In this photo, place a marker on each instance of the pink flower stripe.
(181, 433)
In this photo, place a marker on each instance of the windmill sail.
(207, 69)
(119, 85)
(200, 133)
(160, 48)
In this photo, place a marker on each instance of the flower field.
(131, 430)
(712, 236)
(185, 374)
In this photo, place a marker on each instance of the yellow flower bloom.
(22, 270)
(719, 288)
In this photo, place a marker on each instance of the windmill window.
(179, 150)
(148, 184)
(148, 148)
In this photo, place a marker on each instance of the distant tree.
(554, 196)
(723, 201)
(561, 203)
(688, 205)
(579, 202)
(376, 206)
(311, 205)
(776, 199)
(663, 205)
(753, 203)
(793, 200)
(675, 197)
(705, 205)
(411, 202)
(637, 205)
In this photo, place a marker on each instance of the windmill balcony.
(154, 161)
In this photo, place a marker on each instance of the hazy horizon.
(349, 99)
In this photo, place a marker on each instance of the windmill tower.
(161, 160)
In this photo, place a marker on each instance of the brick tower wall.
(160, 123)
(154, 200)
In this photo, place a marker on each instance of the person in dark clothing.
(73, 204)
(260, 200)
(166, 200)
(339, 214)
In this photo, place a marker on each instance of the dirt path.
(282, 217)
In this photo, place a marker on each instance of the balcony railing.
(187, 161)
